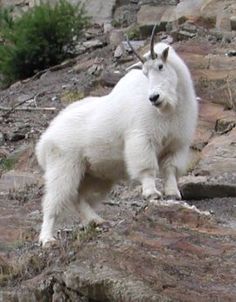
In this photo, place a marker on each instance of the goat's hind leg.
(62, 181)
(87, 213)
(92, 191)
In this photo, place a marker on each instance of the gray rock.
(189, 27)
(116, 37)
(107, 27)
(162, 16)
(92, 44)
(110, 78)
(151, 15)
(183, 35)
(95, 69)
(79, 48)
(231, 53)
(158, 2)
(18, 133)
(224, 125)
(136, 45)
(24, 98)
(2, 139)
(126, 15)
(15, 136)
(84, 65)
(233, 22)
(200, 187)
(93, 32)
(100, 11)
(119, 51)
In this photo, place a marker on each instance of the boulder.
(149, 15)
(218, 156)
(83, 65)
(100, 11)
(217, 86)
(116, 37)
(200, 187)
(110, 79)
(211, 118)
(233, 22)
(125, 14)
(92, 44)
(2, 138)
(226, 124)
(158, 2)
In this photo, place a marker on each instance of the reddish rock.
(166, 255)
(219, 156)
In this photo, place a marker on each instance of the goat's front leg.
(172, 166)
(149, 190)
(141, 163)
(170, 183)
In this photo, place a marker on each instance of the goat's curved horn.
(153, 55)
(141, 59)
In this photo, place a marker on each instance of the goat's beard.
(168, 104)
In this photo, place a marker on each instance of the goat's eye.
(160, 66)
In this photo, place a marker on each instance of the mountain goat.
(145, 125)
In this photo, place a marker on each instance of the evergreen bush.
(43, 36)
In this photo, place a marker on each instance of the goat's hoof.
(173, 196)
(152, 195)
(48, 243)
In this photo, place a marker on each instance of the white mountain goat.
(145, 125)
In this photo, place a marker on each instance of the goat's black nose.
(154, 98)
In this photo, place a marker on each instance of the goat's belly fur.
(106, 163)
(107, 169)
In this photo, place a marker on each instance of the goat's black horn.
(141, 59)
(153, 55)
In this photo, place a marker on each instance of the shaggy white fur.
(145, 125)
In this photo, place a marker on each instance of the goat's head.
(161, 76)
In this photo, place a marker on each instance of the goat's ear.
(138, 65)
(164, 54)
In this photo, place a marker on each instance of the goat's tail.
(43, 148)
(40, 153)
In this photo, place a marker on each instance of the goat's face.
(161, 76)
(162, 82)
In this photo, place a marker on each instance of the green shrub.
(44, 36)
(134, 33)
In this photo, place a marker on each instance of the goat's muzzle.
(155, 100)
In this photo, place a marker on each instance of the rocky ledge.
(164, 251)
